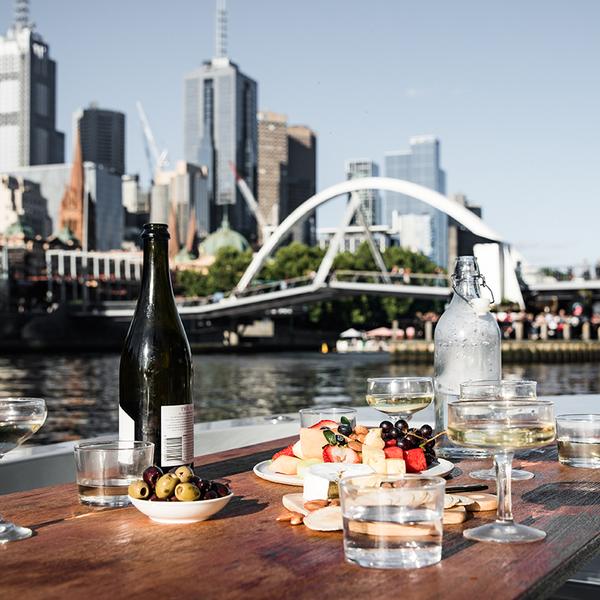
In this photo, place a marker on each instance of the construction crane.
(252, 203)
(156, 160)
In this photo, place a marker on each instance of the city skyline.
(507, 91)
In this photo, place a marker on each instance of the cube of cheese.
(395, 466)
(375, 458)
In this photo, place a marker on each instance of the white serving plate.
(261, 470)
(181, 513)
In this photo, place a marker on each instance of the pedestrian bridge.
(305, 290)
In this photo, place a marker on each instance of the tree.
(295, 260)
(223, 275)
(298, 260)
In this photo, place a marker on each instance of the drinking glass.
(20, 418)
(578, 439)
(392, 521)
(399, 397)
(505, 389)
(502, 426)
(310, 416)
(105, 470)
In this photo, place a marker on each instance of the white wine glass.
(502, 426)
(399, 397)
(20, 418)
(505, 389)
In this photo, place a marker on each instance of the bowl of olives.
(178, 496)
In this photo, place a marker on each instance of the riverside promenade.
(513, 351)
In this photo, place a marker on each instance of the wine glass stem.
(503, 463)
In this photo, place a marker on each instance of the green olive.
(139, 489)
(187, 492)
(184, 473)
(165, 486)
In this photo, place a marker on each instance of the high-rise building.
(220, 132)
(420, 164)
(272, 181)
(302, 179)
(102, 134)
(179, 199)
(28, 134)
(101, 199)
(286, 172)
(370, 201)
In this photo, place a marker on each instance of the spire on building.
(22, 14)
(72, 203)
(221, 30)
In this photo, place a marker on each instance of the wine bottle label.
(177, 434)
(126, 426)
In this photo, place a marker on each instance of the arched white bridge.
(325, 284)
(434, 199)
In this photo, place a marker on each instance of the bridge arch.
(434, 199)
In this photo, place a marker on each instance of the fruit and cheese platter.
(325, 514)
(390, 449)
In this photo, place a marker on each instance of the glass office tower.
(420, 164)
(370, 200)
(220, 131)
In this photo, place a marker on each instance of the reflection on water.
(82, 390)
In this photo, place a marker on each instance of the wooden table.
(78, 552)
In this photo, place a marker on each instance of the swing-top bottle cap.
(481, 306)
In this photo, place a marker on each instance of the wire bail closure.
(482, 283)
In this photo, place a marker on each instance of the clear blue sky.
(511, 88)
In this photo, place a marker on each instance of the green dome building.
(223, 237)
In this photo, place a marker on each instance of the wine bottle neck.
(156, 277)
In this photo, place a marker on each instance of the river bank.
(523, 351)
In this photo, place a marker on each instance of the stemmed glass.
(502, 426)
(399, 397)
(505, 389)
(20, 418)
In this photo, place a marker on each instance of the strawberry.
(393, 452)
(340, 454)
(415, 460)
(325, 423)
(285, 452)
(391, 442)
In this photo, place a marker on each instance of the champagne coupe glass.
(20, 418)
(399, 397)
(505, 389)
(502, 426)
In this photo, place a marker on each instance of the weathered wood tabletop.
(78, 552)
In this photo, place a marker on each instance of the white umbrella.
(351, 333)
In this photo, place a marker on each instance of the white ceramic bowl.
(181, 513)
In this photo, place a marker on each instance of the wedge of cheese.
(321, 481)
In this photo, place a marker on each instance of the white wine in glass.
(20, 418)
(501, 389)
(399, 397)
(502, 427)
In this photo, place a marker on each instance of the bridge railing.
(400, 278)
(274, 286)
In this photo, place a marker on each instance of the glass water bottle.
(466, 347)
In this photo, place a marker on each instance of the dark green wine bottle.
(155, 375)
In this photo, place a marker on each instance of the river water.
(82, 390)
